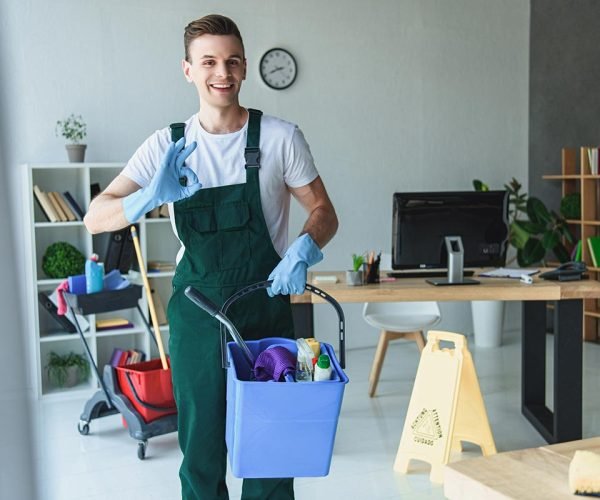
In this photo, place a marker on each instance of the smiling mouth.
(221, 86)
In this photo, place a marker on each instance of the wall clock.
(278, 68)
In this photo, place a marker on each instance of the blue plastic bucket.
(280, 429)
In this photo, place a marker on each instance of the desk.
(564, 424)
(533, 473)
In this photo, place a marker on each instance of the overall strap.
(252, 151)
(177, 131)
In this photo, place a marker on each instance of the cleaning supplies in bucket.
(323, 368)
(275, 363)
(304, 363)
(94, 274)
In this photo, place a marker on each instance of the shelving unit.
(576, 177)
(43, 333)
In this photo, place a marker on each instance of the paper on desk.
(507, 272)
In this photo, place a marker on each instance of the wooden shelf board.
(560, 177)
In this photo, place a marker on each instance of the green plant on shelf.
(72, 128)
(67, 370)
(533, 230)
(62, 259)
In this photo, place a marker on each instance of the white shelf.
(163, 274)
(157, 242)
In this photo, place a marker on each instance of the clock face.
(278, 69)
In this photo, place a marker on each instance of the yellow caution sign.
(446, 407)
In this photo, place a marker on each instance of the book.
(113, 323)
(593, 160)
(594, 246)
(116, 357)
(578, 252)
(161, 317)
(45, 204)
(64, 206)
(74, 206)
(57, 208)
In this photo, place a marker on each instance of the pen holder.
(371, 272)
(354, 278)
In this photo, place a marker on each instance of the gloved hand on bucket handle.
(289, 277)
(165, 186)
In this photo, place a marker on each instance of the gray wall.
(564, 86)
(391, 94)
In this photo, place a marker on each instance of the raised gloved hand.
(289, 277)
(164, 186)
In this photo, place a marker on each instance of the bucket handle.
(313, 289)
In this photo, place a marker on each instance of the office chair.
(398, 320)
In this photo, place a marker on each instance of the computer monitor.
(421, 221)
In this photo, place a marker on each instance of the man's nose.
(223, 69)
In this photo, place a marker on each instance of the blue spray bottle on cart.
(94, 274)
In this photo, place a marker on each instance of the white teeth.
(221, 85)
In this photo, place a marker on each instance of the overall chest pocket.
(216, 237)
(234, 234)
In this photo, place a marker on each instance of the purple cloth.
(274, 363)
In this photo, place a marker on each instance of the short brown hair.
(213, 24)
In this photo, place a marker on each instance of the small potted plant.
(355, 277)
(67, 370)
(73, 129)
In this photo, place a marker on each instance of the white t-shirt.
(218, 160)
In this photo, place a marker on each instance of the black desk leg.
(568, 372)
(564, 424)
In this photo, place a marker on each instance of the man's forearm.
(321, 225)
(105, 214)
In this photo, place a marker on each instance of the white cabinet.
(43, 333)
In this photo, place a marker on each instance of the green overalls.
(227, 246)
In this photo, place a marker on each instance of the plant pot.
(488, 316)
(76, 152)
(354, 278)
(72, 377)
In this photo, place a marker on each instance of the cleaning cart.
(142, 393)
(277, 429)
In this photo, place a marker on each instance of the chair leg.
(378, 361)
(417, 336)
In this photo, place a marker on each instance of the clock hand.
(278, 68)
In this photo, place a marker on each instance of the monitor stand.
(456, 254)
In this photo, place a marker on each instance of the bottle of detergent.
(94, 275)
(323, 368)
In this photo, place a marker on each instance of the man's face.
(217, 69)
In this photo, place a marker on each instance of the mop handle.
(161, 350)
(313, 289)
(211, 308)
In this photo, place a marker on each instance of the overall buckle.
(252, 156)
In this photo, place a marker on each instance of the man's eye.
(208, 63)
(235, 62)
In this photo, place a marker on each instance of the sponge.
(584, 474)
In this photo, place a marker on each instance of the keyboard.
(424, 273)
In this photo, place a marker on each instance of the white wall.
(392, 95)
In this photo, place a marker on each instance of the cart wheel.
(84, 429)
(142, 449)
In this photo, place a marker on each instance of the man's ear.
(186, 67)
(245, 68)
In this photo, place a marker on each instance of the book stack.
(112, 324)
(58, 207)
(122, 357)
(593, 160)
(594, 247)
(160, 266)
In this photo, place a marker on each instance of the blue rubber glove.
(289, 277)
(164, 186)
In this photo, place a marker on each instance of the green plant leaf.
(566, 233)
(561, 253)
(570, 206)
(480, 186)
(533, 252)
(537, 211)
(550, 239)
(518, 235)
(530, 227)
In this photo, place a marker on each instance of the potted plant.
(62, 260)
(73, 129)
(67, 370)
(355, 276)
(543, 231)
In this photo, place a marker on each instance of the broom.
(161, 350)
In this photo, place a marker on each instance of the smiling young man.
(230, 214)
